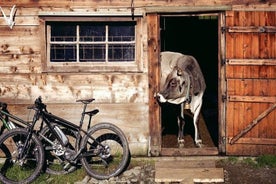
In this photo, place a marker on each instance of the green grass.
(266, 161)
(261, 161)
(75, 176)
(80, 174)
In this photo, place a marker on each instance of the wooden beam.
(259, 141)
(262, 62)
(154, 77)
(184, 9)
(189, 151)
(252, 29)
(260, 99)
(252, 124)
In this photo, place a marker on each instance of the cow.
(182, 83)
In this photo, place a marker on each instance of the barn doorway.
(195, 35)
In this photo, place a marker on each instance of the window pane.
(117, 53)
(63, 53)
(92, 33)
(63, 32)
(121, 32)
(92, 53)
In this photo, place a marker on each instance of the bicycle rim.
(25, 169)
(108, 155)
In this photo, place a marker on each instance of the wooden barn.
(71, 49)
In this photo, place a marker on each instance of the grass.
(73, 177)
(261, 161)
(80, 174)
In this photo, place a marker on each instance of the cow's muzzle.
(160, 98)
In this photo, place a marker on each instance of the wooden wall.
(124, 98)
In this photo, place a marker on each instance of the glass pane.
(117, 53)
(63, 53)
(121, 32)
(92, 33)
(63, 32)
(92, 53)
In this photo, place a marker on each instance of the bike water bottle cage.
(86, 101)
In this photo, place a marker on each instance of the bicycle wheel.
(55, 155)
(108, 155)
(14, 169)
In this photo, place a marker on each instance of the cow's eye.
(179, 72)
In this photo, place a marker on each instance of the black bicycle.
(10, 121)
(102, 150)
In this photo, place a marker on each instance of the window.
(92, 42)
(91, 45)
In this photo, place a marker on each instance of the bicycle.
(102, 149)
(10, 121)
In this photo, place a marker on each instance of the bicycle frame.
(49, 119)
(5, 117)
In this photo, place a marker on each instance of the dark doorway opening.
(195, 35)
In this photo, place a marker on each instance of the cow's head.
(175, 88)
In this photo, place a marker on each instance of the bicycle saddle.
(86, 101)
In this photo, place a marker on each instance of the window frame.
(47, 66)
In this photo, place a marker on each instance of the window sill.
(92, 68)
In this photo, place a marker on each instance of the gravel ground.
(139, 174)
(237, 173)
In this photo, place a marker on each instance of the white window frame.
(47, 66)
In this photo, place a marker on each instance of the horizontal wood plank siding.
(126, 97)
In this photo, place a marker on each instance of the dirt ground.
(241, 173)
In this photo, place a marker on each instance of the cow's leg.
(196, 107)
(181, 124)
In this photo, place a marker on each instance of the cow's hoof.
(199, 144)
(181, 143)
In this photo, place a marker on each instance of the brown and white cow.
(182, 82)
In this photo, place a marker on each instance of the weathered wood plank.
(22, 21)
(252, 29)
(62, 88)
(189, 151)
(239, 3)
(185, 164)
(154, 77)
(259, 141)
(261, 87)
(253, 71)
(251, 62)
(260, 99)
(189, 175)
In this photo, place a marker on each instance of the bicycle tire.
(27, 169)
(55, 164)
(105, 163)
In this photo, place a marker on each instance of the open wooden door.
(250, 73)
